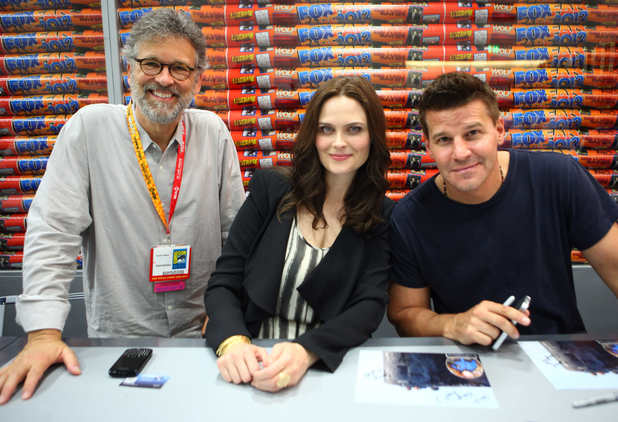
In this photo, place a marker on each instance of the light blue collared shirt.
(93, 196)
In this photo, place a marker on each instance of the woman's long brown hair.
(363, 200)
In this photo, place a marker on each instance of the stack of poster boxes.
(51, 63)
(553, 65)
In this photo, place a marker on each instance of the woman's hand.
(287, 364)
(241, 361)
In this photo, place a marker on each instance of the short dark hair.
(163, 23)
(363, 200)
(456, 89)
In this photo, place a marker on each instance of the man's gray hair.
(163, 23)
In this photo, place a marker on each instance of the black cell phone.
(130, 363)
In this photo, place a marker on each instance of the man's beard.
(156, 111)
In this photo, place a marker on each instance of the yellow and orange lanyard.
(143, 165)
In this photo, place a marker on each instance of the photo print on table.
(423, 379)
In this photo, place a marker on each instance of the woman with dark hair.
(307, 257)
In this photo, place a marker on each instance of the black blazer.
(347, 290)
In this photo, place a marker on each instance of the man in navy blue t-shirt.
(493, 224)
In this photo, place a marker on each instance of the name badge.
(169, 266)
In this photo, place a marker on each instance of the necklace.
(444, 180)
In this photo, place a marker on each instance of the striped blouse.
(293, 315)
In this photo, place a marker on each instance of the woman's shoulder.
(273, 176)
(270, 182)
(381, 227)
(387, 207)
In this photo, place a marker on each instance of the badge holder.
(170, 265)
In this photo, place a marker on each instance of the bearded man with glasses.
(148, 191)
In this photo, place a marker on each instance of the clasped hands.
(283, 367)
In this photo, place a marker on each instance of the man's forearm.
(603, 256)
(612, 282)
(44, 334)
(421, 322)
(608, 272)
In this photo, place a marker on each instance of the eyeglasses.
(152, 67)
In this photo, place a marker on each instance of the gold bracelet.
(229, 341)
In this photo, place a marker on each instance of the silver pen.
(608, 398)
(498, 342)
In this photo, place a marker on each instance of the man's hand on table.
(483, 322)
(44, 348)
